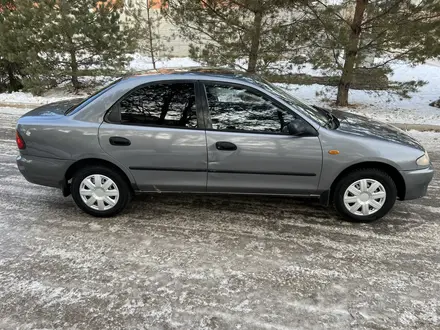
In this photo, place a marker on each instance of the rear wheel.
(100, 191)
(365, 195)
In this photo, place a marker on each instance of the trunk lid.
(56, 109)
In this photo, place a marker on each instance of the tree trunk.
(68, 33)
(150, 35)
(74, 71)
(351, 52)
(255, 42)
(14, 83)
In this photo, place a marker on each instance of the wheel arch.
(387, 168)
(92, 162)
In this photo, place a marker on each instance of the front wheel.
(100, 191)
(365, 195)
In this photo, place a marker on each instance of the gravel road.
(212, 262)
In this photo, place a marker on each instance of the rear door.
(157, 131)
(249, 148)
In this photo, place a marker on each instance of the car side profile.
(208, 130)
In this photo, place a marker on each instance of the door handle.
(223, 145)
(119, 141)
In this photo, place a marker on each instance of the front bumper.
(417, 181)
(43, 171)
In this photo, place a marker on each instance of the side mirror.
(299, 127)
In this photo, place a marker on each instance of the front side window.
(160, 104)
(239, 109)
(319, 115)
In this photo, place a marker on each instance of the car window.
(237, 108)
(319, 115)
(84, 102)
(160, 104)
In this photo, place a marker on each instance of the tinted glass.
(92, 97)
(160, 104)
(320, 116)
(234, 108)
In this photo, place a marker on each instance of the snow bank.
(430, 140)
(21, 98)
(383, 105)
(379, 105)
(141, 62)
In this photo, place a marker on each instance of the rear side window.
(160, 104)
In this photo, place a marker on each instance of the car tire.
(100, 191)
(364, 195)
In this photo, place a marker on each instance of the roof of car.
(199, 70)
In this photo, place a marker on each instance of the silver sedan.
(202, 130)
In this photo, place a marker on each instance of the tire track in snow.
(183, 261)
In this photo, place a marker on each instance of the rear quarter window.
(91, 98)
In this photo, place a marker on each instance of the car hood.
(362, 126)
(53, 109)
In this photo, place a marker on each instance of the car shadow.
(234, 214)
(285, 210)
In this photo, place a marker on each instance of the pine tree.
(148, 18)
(86, 38)
(386, 30)
(260, 32)
(52, 41)
(10, 68)
(23, 53)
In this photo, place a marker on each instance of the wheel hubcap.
(364, 197)
(99, 192)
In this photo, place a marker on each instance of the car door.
(249, 148)
(157, 131)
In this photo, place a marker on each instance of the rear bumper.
(43, 171)
(417, 181)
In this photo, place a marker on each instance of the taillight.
(20, 142)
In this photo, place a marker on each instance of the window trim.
(198, 105)
(207, 112)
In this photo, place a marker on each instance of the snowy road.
(194, 262)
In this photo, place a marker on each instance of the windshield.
(320, 116)
(89, 99)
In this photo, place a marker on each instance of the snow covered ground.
(380, 105)
(212, 262)
(383, 105)
(140, 62)
(430, 140)
(27, 99)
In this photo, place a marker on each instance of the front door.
(157, 132)
(249, 148)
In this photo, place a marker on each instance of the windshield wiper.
(331, 117)
(69, 110)
(331, 122)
